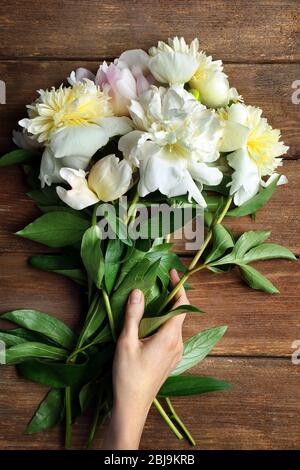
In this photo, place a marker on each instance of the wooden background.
(40, 43)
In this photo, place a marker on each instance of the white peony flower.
(175, 137)
(255, 148)
(108, 180)
(211, 82)
(175, 62)
(74, 121)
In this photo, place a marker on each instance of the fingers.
(173, 327)
(133, 315)
(180, 297)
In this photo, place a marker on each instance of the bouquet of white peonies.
(149, 129)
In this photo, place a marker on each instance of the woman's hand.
(140, 368)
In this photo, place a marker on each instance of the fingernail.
(135, 297)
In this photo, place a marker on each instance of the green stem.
(94, 215)
(166, 418)
(95, 422)
(178, 420)
(109, 314)
(209, 235)
(132, 208)
(68, 437)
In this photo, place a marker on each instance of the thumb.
(134, 314)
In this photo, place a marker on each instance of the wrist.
(125, 427)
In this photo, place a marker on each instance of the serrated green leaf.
(92, 256)
(25, 351)
(43, 323)
(256, 202)
(222, 241)
(17, 156)
(56, 229)
(197, 347)
(256, 280)
(184, 385)
(48, 414)
(148, 325)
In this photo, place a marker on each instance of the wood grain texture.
(261, 411)
(259, 324)
(280, 215)
(40, 43)
(255, 31)
(266, 85)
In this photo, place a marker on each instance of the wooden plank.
(250, 31)
(261, 411)
(259, 324)
(264, 85)
(280, 215)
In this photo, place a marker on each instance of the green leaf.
(113, 254)
(184, 385)
(156, 225)
(256, 202)
(92, 255)
(17, 156)
(62, 264)
(10, 339)
(197, 347)
(45, 196)
(143, 277)
(52, 373)
(256, 280)
(221, 188)
(104, 336)
(133, 256)
(167, 261)
(268, 251)
(23, 352)
(148, 325)
(93, 321)
(86, 395)
(48, 414)
(222, 241)
(56, 229)
(43, 323)
(249, 240)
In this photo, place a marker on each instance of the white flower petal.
(245, 178)
(80, 196)
(282, 180)
(115, 125)
(136, 60)
(188, 186)
(173, 67)
(129, 143)
(82, 140)
(50, 169)
(238, 113)
(26, 141)
(235, 136)
(110, 178)
(157, 173)
(205, 174)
